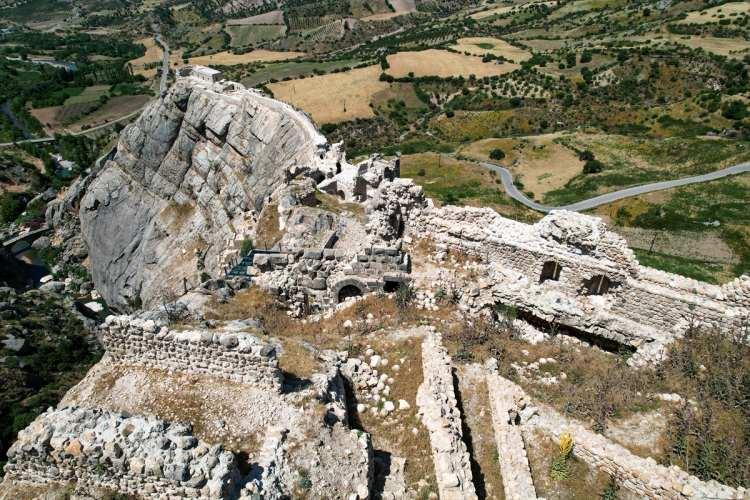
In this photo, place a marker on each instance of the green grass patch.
(690, 268)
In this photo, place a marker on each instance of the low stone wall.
(642, 476)
(514, 463)
(438, 408)
(239, 357)
(141, 456)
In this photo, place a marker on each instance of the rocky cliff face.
(188, 176)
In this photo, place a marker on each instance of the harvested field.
(715, 14)
(497, 11)
(538, 162)
(400, 7)
(273, 17)
(333, 98)
(152, 57)
(115, 108)
(434, 62)
(480, 46)
(228, 59)
(736, 48)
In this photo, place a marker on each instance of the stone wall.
(514, 462)
(439, 411)
(641, 476)
(141, 456)
(636, 305)
(239, 357)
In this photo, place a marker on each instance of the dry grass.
(539, 162)
(715, 14)
(229, 59)
(582, 482)
(479, 46)
(731, 47)
(442, 63)
(335, 97)
(272, 17)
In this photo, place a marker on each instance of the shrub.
(11, 206)
(404, 295)
(593, 167)
(247, 247)
(734, 110)
(497, 154)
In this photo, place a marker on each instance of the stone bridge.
(22, 242)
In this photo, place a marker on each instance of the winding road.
(507, 179)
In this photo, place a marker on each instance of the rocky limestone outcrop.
(186, 178)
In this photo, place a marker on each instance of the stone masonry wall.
(239, 357)
(438, 407)
(514, 462)
(640, 305)
(641, 476)
(141, 456)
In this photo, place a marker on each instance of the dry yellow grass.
(735, 48)
(714, 14)
(500, 47)
(228, 59)
(434, 62)
(335, 97)
(505, 9)
(540, 163)
(153, 55)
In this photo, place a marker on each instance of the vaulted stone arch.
(349, 287)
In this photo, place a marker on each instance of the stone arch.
(550, 271)
(348, 288)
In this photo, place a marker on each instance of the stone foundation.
(439, 410)
(141, 456)
(239, 357)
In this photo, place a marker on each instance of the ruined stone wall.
(239, 357)
(439, 410)
(141, 456)
(514, 462)
(639, 305)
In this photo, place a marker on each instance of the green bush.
(497, 154)
(593, 167)
(11, 206)
(734, 110)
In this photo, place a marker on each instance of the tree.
(497, 154)
(593, 167)
(585, 155)
(586, 56)
(734, 110)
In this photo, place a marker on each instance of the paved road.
(164, 84)
(507, 178)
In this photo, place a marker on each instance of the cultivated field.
(480, 46)
(400, 7)
(273, 17)
(152, 57)
(496, 11)
(247, 34)
(333, 98)
(433, 62)
(228, 59)
(715, 14)
(736, 48)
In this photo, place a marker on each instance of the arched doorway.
(348, 291)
